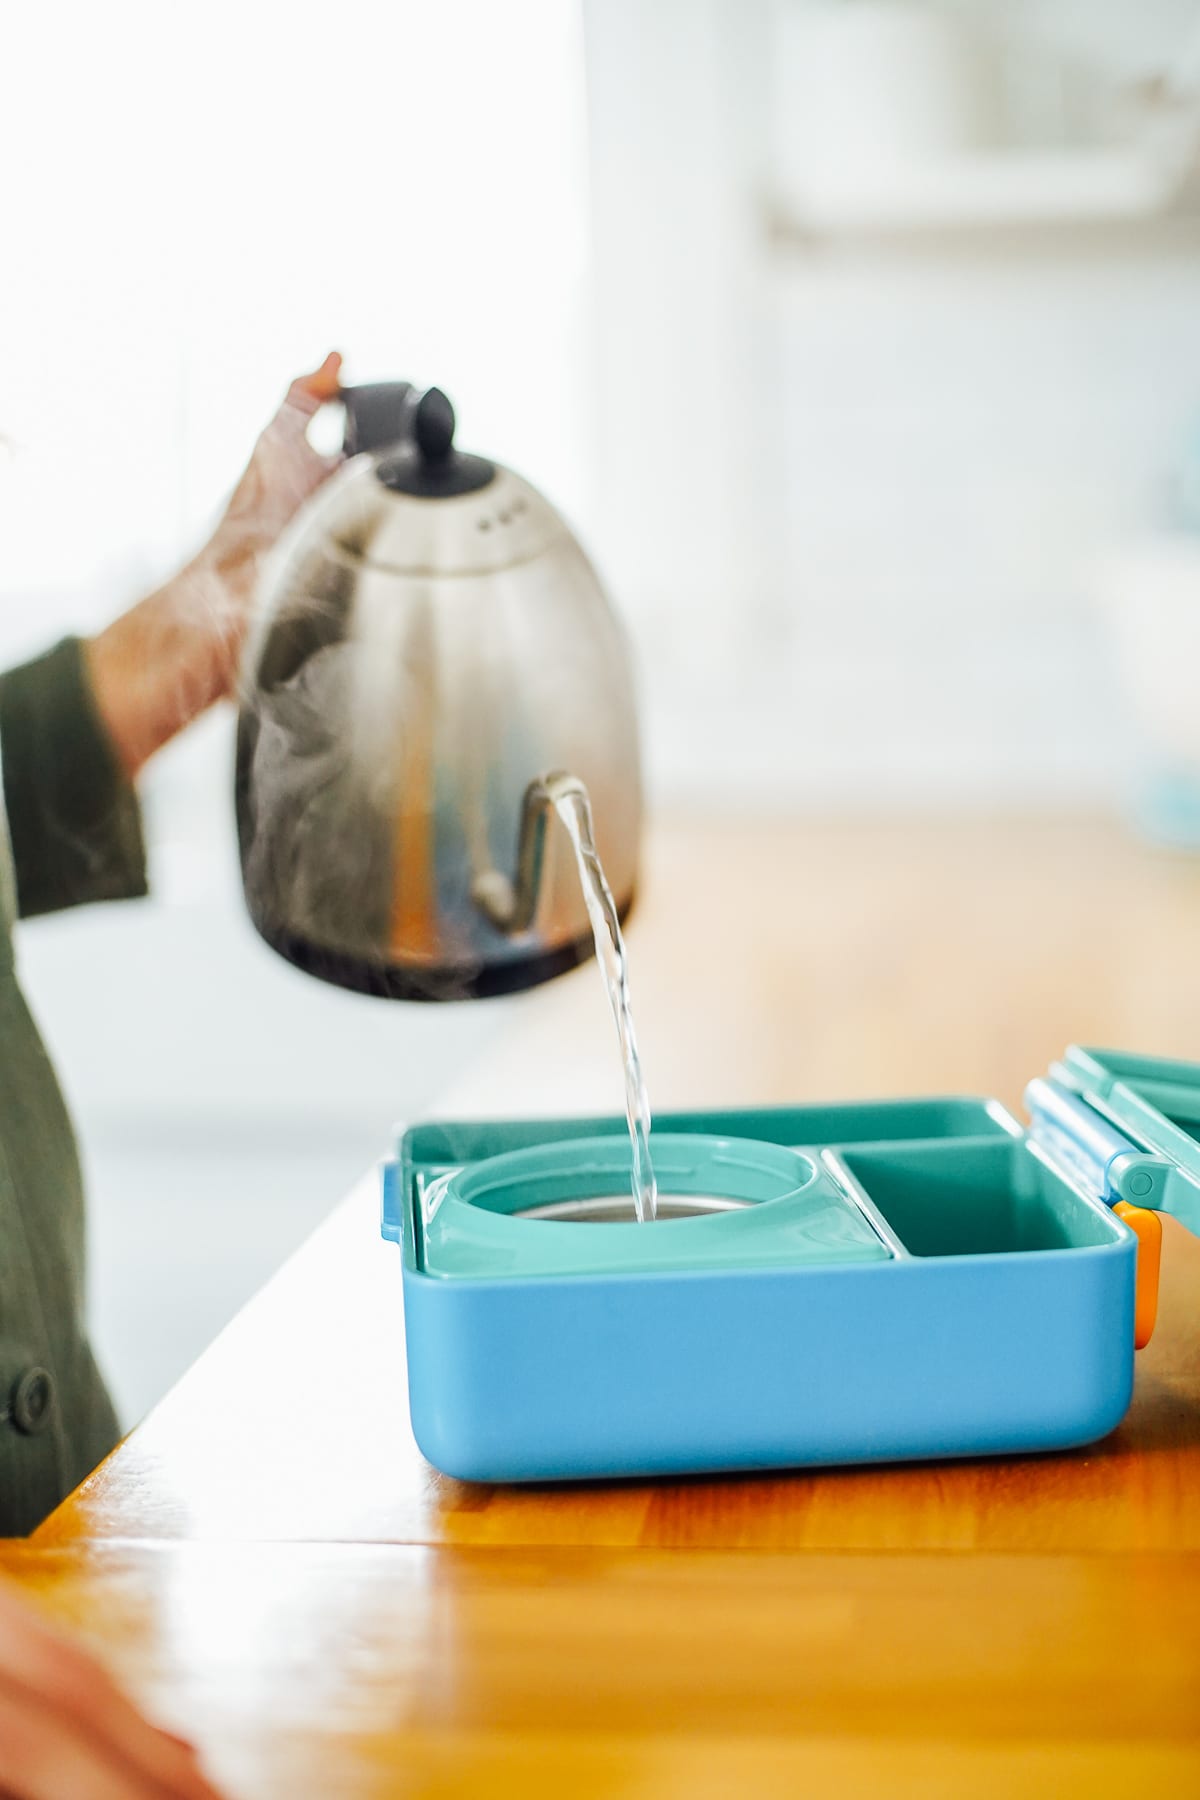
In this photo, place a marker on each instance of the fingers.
(309, 392)
(283, 471)
(46, 1754)
(66, 1728)
(306, 396)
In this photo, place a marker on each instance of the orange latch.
(1147, 1228)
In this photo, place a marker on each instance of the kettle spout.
(511, 905)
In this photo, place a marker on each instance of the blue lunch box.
(824, 1284)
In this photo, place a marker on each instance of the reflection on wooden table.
(371, 1669)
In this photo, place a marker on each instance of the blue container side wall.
(671, 1374)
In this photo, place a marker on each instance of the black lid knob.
(428, 465)
(433, 426)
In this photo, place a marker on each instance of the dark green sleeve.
(73, 816)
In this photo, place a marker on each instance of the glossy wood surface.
(346, 1670)
(269, 1557)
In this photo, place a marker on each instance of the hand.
(67, 1729)
(281, 474)
(157, 667)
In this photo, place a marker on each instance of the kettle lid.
(414, 432)
(383, 508)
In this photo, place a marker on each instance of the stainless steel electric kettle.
(430, 645)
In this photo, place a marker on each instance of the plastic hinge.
(1109, 1165)
(1113, 1169)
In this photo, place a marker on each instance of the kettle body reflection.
(431, 643)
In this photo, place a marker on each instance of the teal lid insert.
(764, 1205)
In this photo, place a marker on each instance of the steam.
(315, 839)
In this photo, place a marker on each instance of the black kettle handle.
(378, 415)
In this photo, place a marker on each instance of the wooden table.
(270, 1563)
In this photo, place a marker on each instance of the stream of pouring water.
(570, 801)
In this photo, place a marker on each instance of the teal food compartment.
(895, 1280)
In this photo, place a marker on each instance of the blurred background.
(860, 340)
